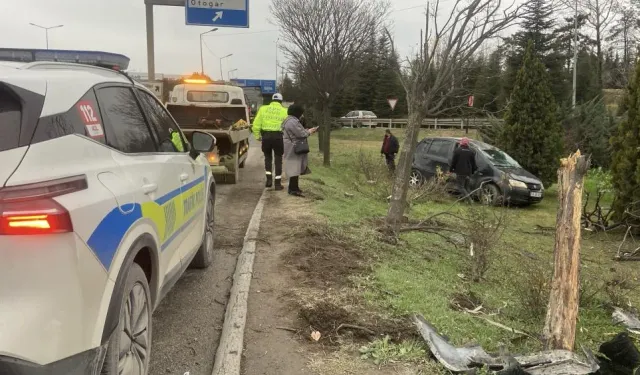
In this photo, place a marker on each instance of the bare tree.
(431, 78)
(624, 35)
(600, 14)
(324, 40)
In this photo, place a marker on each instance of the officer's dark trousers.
(273, 149)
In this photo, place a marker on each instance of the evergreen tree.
(588, 129)
(289, 90)
(388, 84)
(488, 85)
(587, 82)
(531, 132)
(625, 165)
(538, 26)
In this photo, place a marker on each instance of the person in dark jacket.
(463, 165)
(389, 149)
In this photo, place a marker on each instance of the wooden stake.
(560, 324)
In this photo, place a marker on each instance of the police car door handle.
(184, 177)
(149, 188)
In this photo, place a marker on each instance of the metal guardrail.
(433, 123)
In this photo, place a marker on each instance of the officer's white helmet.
(277, 96)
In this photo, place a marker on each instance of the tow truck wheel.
(129, 348)
(234, 176)
(204, 256)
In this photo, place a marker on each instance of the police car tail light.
(30, 209)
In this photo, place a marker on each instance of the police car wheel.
(204, 256)
(129, 349)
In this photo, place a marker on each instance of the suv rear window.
(10, 118)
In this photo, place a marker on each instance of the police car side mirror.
(201, 143)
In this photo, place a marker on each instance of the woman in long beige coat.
(294, 133)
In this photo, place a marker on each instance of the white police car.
(100, 214)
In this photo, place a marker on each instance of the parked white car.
(360, 118)
(103, 205)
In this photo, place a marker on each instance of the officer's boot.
(269, 181)
(279, 183)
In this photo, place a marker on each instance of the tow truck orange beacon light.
(195, 80)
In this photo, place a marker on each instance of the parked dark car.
(498, 176)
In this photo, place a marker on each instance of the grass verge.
(426, 273)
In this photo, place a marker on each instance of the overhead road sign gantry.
(220, 13)
(225, 13)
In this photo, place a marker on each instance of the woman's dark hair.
(295, 110)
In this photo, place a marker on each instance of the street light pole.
(229, 73)
(46, 30)
(222, 58)
(201, 56)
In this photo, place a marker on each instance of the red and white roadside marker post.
(392, 103)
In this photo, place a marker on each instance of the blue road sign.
(266, 86)
(219, 13)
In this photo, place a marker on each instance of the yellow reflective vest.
(269, 119)
(177, 141)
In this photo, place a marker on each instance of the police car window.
(83, 118)
(125, 126)
(161, 122)
(10, 117)
(208, 96)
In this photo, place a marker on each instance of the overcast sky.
(119, 26)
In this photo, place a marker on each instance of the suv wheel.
(204, 256)
(130, 346)
(415, 179)
(490, 195)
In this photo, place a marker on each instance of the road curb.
(229, 354)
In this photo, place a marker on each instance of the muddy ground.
(302, 283)
(188, 322)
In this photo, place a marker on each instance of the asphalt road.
(188, 322)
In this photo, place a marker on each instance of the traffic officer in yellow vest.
(267, 128)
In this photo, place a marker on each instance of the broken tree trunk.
(562, 312)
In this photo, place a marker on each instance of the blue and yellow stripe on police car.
(171, 214)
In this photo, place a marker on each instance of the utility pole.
(46, 30)
(201, 56)
(575, 55)
(278, 40)
(421, 45)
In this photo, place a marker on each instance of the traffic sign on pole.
(392, 103)
(228, 13)
(470, 101)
